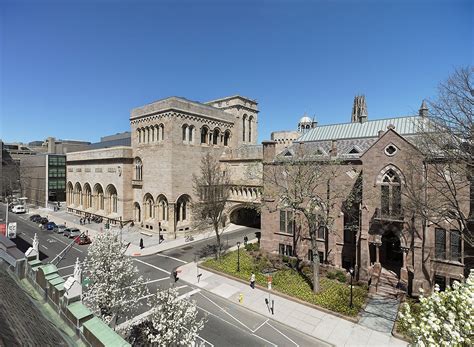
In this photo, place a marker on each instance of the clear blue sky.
(75, 70)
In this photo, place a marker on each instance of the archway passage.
(245, 216)
(391, 256)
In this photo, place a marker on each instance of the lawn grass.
(333, 295)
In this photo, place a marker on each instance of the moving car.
(19, 209)
(42, 221)
(59, 229)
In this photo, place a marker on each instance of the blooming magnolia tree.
(114, 285)
(173, 322)
(444, 318)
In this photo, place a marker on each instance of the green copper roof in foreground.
(403, 126)
(78, 310)
(104, 333)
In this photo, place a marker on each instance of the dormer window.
(354, 151)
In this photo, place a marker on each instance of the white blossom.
(444, 318)
(114, 284)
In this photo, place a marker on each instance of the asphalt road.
(227, 323)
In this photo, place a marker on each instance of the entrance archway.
(245, 216)
(391, 255)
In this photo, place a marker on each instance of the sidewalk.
(311, 321)
(129, 234)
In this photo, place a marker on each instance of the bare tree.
(212, 189)
(305, 185)
(441, 189)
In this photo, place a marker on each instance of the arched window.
(185, 131)
(153, 134)
(70, 194)
(112, 200)
(391, 196)
(162, 208)
(250, 128)
(98, 197)
(244, 120)
(191, 134)
(162, 132)
(215, 136)
(78, 194)
(143, 135)
(204, 134)
(139, 135)
(182, 208)
(138, 169)
(137, 212)
(149, 206)
(226, 138)
(88, 196)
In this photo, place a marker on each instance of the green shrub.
(333, 295)
(337, 275)
(285, 259)
(252, 247)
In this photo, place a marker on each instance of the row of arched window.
(158, 210)
(247, 128)
(215, 137)
(150, 134)
(84, 197)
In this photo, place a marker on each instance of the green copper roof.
(104, 333)
(78, 310)
(48, 269)
(403, 126)
(56, 281)
(35, 262)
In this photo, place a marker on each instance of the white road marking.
(158, 280)
(44, 247)
(220, 308)
(67, 244)
(282, 334)
(234, 325)
(181, 287)
(188, 294)
(66, 267)
(261, 325)
(153, 266)
(167, 256)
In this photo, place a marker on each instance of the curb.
(283, 295)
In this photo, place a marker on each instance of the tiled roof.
(403, 126)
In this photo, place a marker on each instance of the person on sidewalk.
(141, 244)
(252, 281)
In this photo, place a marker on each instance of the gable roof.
(403, 125)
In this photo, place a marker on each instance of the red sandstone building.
(390, 245)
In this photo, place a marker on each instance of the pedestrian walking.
(246, 239)
(252, 281)
(141, 244)
(89, 220)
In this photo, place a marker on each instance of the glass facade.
(56, 177)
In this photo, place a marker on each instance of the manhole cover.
(187, 248)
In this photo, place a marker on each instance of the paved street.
(227, 323)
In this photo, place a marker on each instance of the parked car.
(34, 216)
(83, 239)
(59, 229)
(71, 232)
(19, 209)
(41, 221)
(49, 226)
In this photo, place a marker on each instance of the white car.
(19, 209)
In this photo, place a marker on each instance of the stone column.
(172, 220)
(403, 270)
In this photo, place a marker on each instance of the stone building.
(153, 187)
(381, 238)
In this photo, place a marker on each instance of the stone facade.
(168, 139)
(387, 233)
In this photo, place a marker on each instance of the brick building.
(382, 238)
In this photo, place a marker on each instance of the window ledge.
(450, 262)
(283, 234)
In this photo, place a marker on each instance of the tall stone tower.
(359, 110)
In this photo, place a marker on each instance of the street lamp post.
(351, 271)
(238, 256)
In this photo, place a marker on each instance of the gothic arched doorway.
(391, 256)
(245, 216)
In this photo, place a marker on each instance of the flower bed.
(333, 295)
